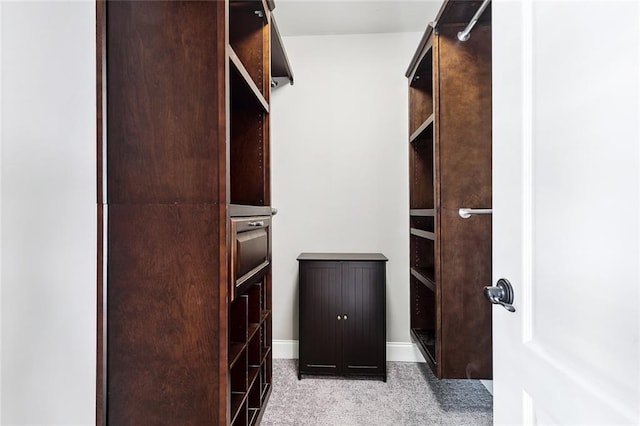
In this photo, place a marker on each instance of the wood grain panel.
(163, 71)
(163, 346)
(464, 126)
(465, 335)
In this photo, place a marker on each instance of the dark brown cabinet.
(342, 327)
(184, 214)
(450, 169)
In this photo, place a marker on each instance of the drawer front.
(250, 252)
(252, 248)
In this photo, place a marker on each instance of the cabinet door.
(363, 324)
(319, 325)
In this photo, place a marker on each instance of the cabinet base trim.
(396, 351)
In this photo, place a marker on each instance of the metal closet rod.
(466, 33)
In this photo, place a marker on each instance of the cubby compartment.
(422, 252)
(249, 147)
(422, 222)
(265, 374)
(421, 94)
(238, 384)
(423, 319)
(249, 39)
(254, 350)
(255, 389)
(238, 321)
(250, 350)
(421, 166)
(240, 418)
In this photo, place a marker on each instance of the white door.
(566, 211)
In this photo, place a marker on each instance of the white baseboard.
(396, 351)
(488, 384)
(285, 349)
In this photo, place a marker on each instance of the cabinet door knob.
(345, 316)
(339, 318)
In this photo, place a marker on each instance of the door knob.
(501, 294)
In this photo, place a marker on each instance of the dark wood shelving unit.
(450, 168)
(184, 329)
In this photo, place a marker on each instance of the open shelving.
(449, 84)
(249, 39)
(185, 133)
(423, 207)
(250, 330)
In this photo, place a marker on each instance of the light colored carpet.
(411, 396)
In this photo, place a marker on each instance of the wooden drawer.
(250, 251)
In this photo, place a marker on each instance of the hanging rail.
(466, 213)
(466, 33)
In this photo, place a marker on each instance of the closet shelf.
(426, 276)
(426, 342)
(422, 212)
(280, 68)
(423, 129)
(423, 234)
(242, 72)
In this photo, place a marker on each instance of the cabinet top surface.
(343, 256)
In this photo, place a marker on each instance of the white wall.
(340, 164)
(48, 211)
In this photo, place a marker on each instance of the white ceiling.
(324, 17)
